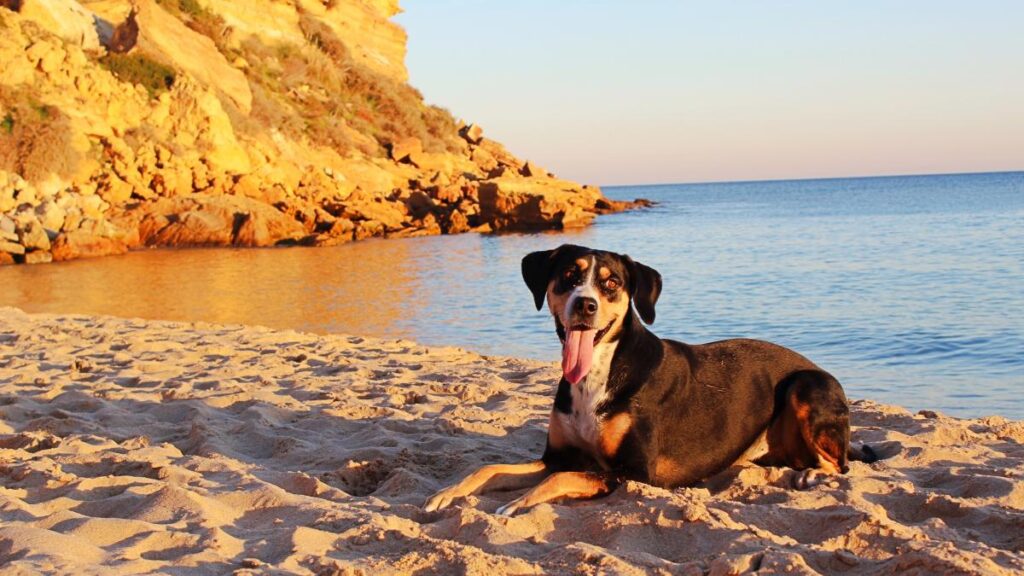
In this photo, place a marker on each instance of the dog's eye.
(569, 274)
(611, 284)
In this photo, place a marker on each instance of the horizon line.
(812, 178)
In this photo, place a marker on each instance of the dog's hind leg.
(811, 429)
(823, 418)
(490, 477)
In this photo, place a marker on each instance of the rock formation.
(207, 122)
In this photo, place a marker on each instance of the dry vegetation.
(35, 139)
(317, 91)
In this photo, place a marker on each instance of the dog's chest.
(582, 425)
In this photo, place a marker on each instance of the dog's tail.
(864, 454)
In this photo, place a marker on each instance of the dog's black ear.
(537, 272)
(645, 287)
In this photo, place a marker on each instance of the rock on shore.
(130, 447)
(169, 123)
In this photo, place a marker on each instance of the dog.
(632, 406)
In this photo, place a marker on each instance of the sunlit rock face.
(113, 112)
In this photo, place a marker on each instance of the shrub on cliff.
(35, 139)
(137, 68)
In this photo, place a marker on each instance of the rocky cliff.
(257, 123)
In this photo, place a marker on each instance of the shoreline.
(134, 445)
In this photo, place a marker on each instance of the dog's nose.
(586, 306)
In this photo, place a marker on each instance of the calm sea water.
(909, 289)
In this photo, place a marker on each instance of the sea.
(909, 289)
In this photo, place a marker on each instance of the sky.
(643, 91)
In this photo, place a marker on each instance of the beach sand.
(131, 446)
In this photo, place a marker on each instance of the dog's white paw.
(510, 509)
(807, 479)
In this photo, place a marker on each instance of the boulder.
(92, 206)
(447, 194)
(6, 259)
(38, 257)
(198, 122)
(364, 175)
(253, 232)
(420, 204)
(86, 242)
(404, 149)
(65, 18)
(440, 178)
(7, 225)
(472, 133)
(8, 198)
(500, 154)
(368, 229)
(33, 237)
(9, 247)
(51, 216)
(266, 227)
(203, 220)
(194, 228)
(525, 204)
(531, 169)
(363, 206)
(46, 56)
(169, 39)
(7, 233)
(483, 159)
(455, 222)
(115, 190)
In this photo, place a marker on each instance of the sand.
(130, 446)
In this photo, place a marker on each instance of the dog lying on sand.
(630, 405)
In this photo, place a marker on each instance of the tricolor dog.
(633, 406)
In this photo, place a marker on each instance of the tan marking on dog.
(583, 264)
(801, 444)
(556, 436)
(557, 302)
(613, 432)
(490, 477)
(788, 438)
(503, 476)
(575, 485)
(603, 272)
(665, 471)
(828, 453)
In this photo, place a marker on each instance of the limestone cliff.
(215, 122)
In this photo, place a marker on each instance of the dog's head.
(589, 293)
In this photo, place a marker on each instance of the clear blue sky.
(645, 91)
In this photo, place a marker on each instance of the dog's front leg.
(490, 477)
(576, 485)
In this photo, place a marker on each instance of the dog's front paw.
(443, 499)
(807, 479)
(512, 507)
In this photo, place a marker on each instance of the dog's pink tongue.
(577, 353)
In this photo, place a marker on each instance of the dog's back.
(708, 404)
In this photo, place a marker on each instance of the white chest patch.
(582, 427)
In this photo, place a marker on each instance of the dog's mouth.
(578, 349)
